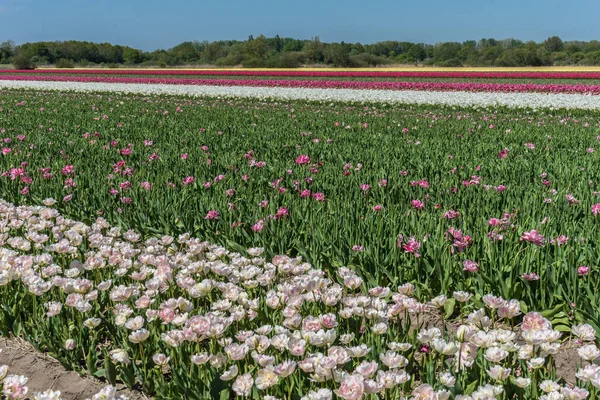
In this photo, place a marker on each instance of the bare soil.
(44, 372)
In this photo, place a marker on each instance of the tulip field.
(267, 248)
(414, 81)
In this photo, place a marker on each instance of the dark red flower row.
(349, 74)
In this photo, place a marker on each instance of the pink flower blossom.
(583, 270)
(451, 214)
(303, 159)
(418, 204)
(68, 170)
(258, 226)
(319, 197)
(560, 240)
(596, 209)
(533, 237)
(531, 276)
(571, 199)
(146, 185)
(534, 321)
(212, 215)
(352, 388)
(412, 246)
(470, 266)
(282, 213)
(188, 180)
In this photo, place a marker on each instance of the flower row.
(374, 85)
(334, 73)
(461, 99)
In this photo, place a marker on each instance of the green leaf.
(90, 361)
(224, 395)
(449, 307)
(471, 387)
(524, 307)
(16, 326)
(236, 247)
(562, 328)
(110, 371)
(550, 313)
(100, 373)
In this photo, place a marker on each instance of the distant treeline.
(289, 53)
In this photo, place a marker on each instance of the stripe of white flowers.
(516, 100)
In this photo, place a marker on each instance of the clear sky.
(152, 24)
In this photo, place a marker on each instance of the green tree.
(314, 50)
(553, 44)
(7, 50)
(257, 48)
(290, 45)
(337, 54)
(23, 61)
(416, 53)
(132, 56)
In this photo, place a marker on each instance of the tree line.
(277, 52)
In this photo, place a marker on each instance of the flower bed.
(299, 73)
(372, 85)
(184, 318)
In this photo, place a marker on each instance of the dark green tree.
(553, 44)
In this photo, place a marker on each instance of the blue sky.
(152, 24)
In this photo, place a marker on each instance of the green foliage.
(64, 63)
(290, 60)
(23, 61)
(553, 44)
(325, 232)
(253, 63)
(7, 50)
(257, 48)
(291, 53)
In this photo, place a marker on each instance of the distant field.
(583, 68)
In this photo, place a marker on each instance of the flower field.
(428, 84)
(322, 73)
(255, 248)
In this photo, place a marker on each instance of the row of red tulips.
(353, 74)
(421, 86)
